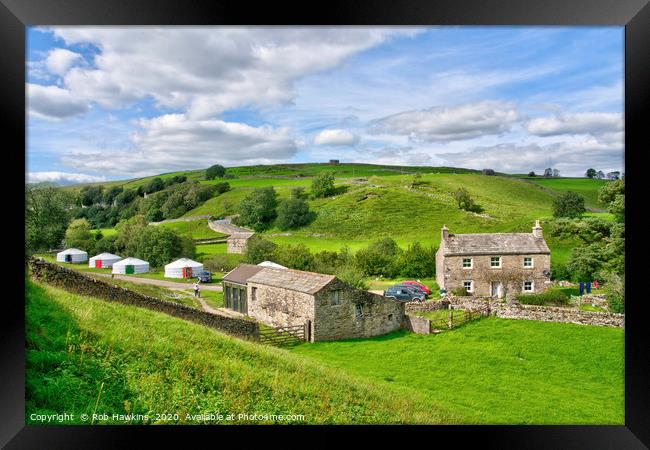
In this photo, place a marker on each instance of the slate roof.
(495, 244)
(295, 280)
(242, 273)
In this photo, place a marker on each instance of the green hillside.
(498, 371)
(586, 187)
(85, 355)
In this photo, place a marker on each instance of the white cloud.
(59, 60)
(208, 70)
(175, 142)
(460, 122)
(571, 157)
(62, 177)
(595, 123)
(336, 137)
(53, 103)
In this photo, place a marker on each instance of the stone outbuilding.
(489, 264)
(238, 240)
(330, 308)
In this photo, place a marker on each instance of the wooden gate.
(282, 336)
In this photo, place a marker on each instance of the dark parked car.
(205, 276)
(404, 293)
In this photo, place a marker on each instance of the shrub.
(222, 187)
(323, 185)
(465, 201)
(378, 258)
(560, 272)
(220, 263)
(615, 287)
(568, 204)
(259, 249)
(352, 276)
(417, 261)
(293, 213)
(553, 297)
(295, 257)
(78, 235)
(459, 292)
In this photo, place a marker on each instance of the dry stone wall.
(79, 283)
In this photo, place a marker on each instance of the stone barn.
(331, 308)
(491, 264)
(237, 241)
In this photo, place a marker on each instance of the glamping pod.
(131, 266)
(103, 260)
(183, 268)
(72, 255)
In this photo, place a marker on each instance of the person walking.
(197, 289)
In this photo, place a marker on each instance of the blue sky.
(113, 103)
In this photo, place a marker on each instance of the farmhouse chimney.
(445, 232)
(537, 230)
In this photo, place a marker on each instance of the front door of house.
(497, 289)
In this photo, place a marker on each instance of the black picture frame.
(15, 15)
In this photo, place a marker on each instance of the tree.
(352, 276)
(216, 171)
(126, 231)
(106, 244)
(159, 245)
(613, 196)
(295, 257)
(91, 195)
(110, 194)
(378, 258)
(293, 213)
(155, 185)
(531, 174)
(259, 249)
(298, 193)
(222, 187)
(323, 185)
(568, 204)
(465, 201)
(591, 173)
(417, 261)
(47, 214)
(78, 235)
(556, 173)
(257, 209)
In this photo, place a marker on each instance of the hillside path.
(162, 283)
(182, 219)
(218, 311)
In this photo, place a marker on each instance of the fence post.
(451, 317)
(307, 331)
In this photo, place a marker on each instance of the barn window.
(335, 298)
(253, 294)
(467, 263)
(528, 261)
(358, 311)
(495, 261)
(528, 286)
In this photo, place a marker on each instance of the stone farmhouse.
(491, 264)
(330, 308)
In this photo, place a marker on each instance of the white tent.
(183, 268)
(271, 264)
(72, 255)
(131, 266)
(103, 260)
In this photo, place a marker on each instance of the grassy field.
(584, 186)
(196, 229)
(89, 356)
(498, 371)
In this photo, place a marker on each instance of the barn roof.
(495, 244)
(240, 235)
(295, 280)
(242, 273)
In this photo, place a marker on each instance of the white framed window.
(467, 263)
(335, 298)
(528, 261)
(468, 285)
(495, 261)
(529, 286)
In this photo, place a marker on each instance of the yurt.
(131, 266)
(271, 264)
(103, 260)
(183, 268)
(72, 255)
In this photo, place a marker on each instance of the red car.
(424, 287)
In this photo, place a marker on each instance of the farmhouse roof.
(241, 235)
(242, 273)
(295, 280)
(494, 244)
